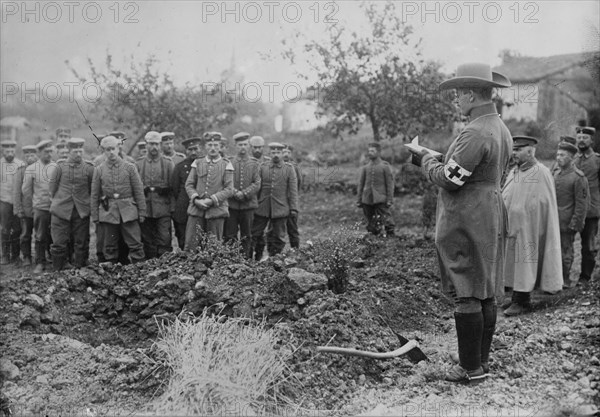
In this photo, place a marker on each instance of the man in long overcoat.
(471, 218)
(533, 255)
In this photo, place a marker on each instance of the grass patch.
(221, 366)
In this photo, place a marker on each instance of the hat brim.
(498, 80)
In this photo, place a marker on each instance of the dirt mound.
(118, 308)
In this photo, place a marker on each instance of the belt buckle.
(152, 189)
(116, 195)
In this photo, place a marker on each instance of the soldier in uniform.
(156, 171)
(36, 186)
(117, 201)
(292, 221)
(257, 143)
(470, 227)
(589, 163)
(572, 198)
(10, 226)
(277, 200)
(168, 147)
(23, 208)
(178, 179)
(209, 186)
(62, 136)
(123, 248)
(70, 188)
(246, 183)
(142, 151)
(376, 192)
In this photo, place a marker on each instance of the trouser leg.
(163, 235)
(245, 221)
(232, 225)
(100, 241)
(61, 233)
(111, 233)
(80, 238)
(194, 226)
(150, 237)
(566, 249)
(372, 221)
(589, 248)
(292, 231)
(41, 224)
(132, 236)
(25, 238)
(276, 236)
(259, 224)
(384, 214)
(215, 227)
(180, 234)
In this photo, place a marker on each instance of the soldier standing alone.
(376, 192)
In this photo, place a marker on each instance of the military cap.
(241, 136)
(586, 130)
(152, 137)
(118, 134)
(43, 144)
(569, 147)
(374, 145)
(110, 141)
(8, 143)
(568, 139)
(76, 143)
(29, 148)
(63, 130)
(276, 146)
(188, 143)
(257, 141)
(289, 147)
(141, 144)
(165, 136)
(213, 136)
(522, 141)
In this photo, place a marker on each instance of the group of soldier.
(134, 205)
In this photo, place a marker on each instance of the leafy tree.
(377, 75)
(144, 98)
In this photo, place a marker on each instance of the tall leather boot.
(40, 258)
(5, 259)
(489, 310)
(258, 252)
(469, 330)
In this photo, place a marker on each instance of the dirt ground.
(75, 343)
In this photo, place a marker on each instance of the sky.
(195, 41)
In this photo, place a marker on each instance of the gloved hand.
(417, 157)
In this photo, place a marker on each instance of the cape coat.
(471, 217)
(533, 258)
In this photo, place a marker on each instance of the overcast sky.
(195, 40)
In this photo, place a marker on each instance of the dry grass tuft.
(222, 366)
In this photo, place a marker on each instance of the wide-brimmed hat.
(475, 75)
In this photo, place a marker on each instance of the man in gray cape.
(533, 258)
(471, 217)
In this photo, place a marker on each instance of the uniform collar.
(278, 164)
(375, 161)
(525, 166)
(212, 161)
(150, 159)
(117, 162)
(588, 152)
(242, 158)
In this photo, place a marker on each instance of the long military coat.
(471, 217)
(71, 186)
(278, 194)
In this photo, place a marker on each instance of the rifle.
(87, 122)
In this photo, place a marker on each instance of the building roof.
(532, 69)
